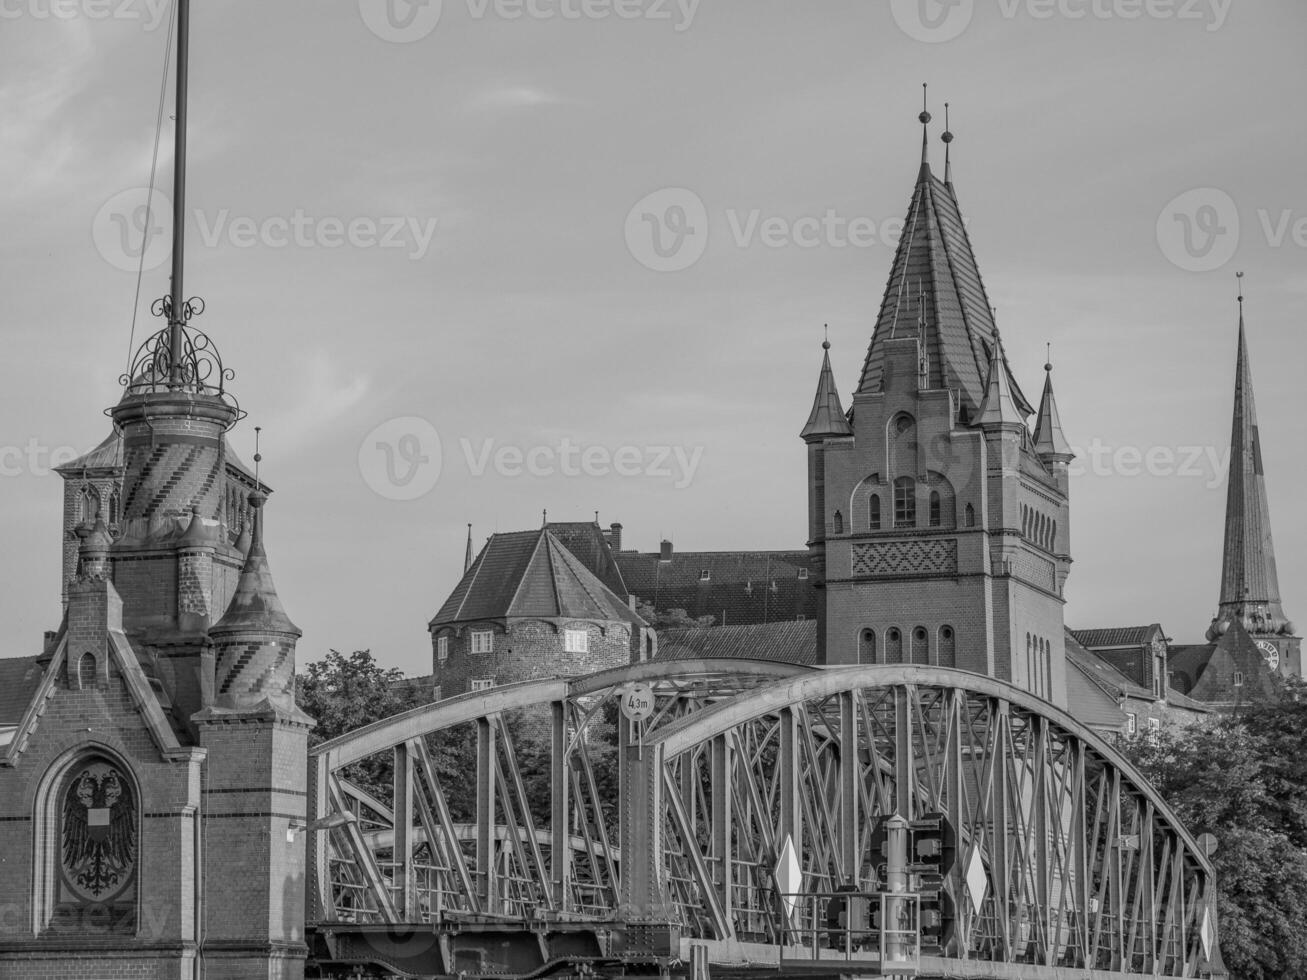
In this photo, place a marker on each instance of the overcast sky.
(532, 229)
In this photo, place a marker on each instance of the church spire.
(1250, 588)
(827, 417)
(1050, 441)
(935, 250)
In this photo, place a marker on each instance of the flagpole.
(175, 339)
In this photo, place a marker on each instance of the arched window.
(88, 505)
(86, 672)
(893, 646)
(838, 523)
(875, 512)
(902, 445)
(905, 502)
(88, 853)
(115, 508)
(936, 515)
(920, 645)
(1025, 521)
(1052, 537)
(947, 647)
(971, 516)
(867, 647)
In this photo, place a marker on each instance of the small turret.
(999, 409)
(827, 418)
(1050, 441)
(254, 642)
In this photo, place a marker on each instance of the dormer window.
(803, 574)
(705, 575)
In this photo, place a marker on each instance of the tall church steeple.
(959, 332)
(937, 532)
(1250, 587)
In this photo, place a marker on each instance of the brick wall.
(527, 650)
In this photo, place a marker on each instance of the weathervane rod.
(177, 314)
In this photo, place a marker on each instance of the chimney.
(615, 537)
(665, 552)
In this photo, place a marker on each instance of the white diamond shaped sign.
(1205, 933)
(789, 876)
(976, 881)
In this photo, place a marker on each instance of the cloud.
(322, 397)
(511, 97)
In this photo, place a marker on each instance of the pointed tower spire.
(827, 417)
(467, 555)
(999, 407)
(256, 621)
(1250, 587)
(935, 249)
(1050, 441)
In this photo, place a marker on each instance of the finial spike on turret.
(825, 344)
(947, 139)
(258, 456)
(925, 122)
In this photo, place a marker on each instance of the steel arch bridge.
(533, 830)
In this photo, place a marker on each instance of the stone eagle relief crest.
(99, 833)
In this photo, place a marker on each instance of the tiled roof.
(587, 542)
(1089, 703)
(1101, 673)
(106, 456)
(1210, 670)
(1116, 636)
(530, 574)
(741, 587)
(935, 252)
(19, 679)
(791, 643)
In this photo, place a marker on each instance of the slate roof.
(530, 574)
(106, 456)
(586, 541)
(19, 679)
(935, 252)
(827, 417)
(742, 587)
(1115, 684)
(1115, 636)
(1208, 669)
(1050, 440)
(790, 643)
(1249, 579)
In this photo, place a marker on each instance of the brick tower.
(938, 523)
(256, 789)
(1250, 584)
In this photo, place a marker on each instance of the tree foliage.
(1243, 779)
(344, 692)
(671, 619)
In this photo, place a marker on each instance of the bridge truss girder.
(1079, 868)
